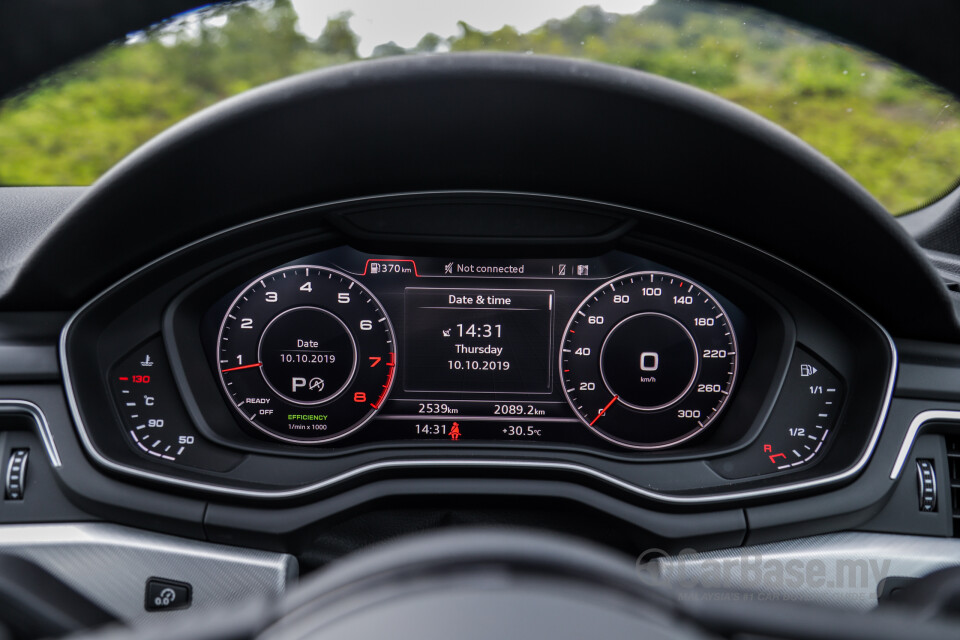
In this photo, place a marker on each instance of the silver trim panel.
(39, 421)
(916, 425)
(110, 565)
(474, 463)
(841, 569)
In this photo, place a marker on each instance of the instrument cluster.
(274, 366)
(612, 348)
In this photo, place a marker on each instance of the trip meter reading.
(306, 354)
(648, 360)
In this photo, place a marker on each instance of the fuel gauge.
(801, 425)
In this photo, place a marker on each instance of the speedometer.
(648, 360)
(306, 354)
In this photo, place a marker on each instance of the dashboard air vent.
(953, 458)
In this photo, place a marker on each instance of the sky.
(406, 21)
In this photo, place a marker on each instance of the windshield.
(896, 134)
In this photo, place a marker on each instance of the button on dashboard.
(166, 595)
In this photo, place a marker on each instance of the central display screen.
(478, 340)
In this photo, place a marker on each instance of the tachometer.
(648, 360)
(306, 354)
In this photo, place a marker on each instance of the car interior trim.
(110, 564)
(24, 407)
(918, 424)
(882, 555)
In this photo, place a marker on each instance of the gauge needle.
(604, 410)
(246, 366)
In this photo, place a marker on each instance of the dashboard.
(251, 350)
(666, 371)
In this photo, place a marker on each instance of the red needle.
(604, 410)
(246, 366)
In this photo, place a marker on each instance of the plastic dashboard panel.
(785, 307)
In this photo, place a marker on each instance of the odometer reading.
(648, 360)
(306, 354)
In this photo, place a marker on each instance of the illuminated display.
(478, 340)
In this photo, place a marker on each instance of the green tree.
(889, 129)
(338, 39)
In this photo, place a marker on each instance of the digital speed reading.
(306, 354)
(648, 360)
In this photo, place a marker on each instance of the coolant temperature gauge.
(154, 419)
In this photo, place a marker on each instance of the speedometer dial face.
(648, 360)
(306, 354)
